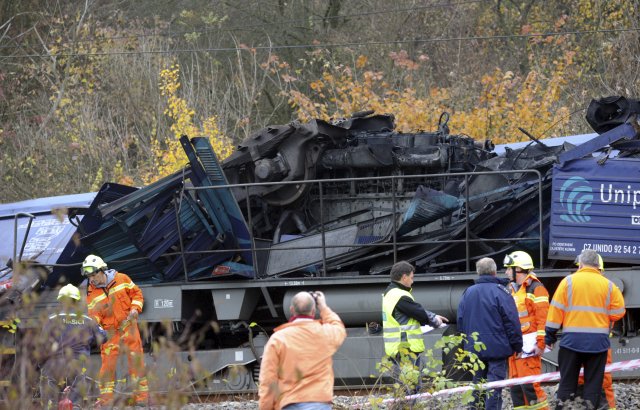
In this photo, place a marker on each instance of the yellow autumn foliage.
(169, 155)
(507, 101)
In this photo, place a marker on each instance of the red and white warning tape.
(539, 378)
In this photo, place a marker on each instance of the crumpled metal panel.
(338, 242)
(159, 231)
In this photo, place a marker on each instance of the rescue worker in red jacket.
(584, 305)
(607, 381)
(532, 301)
(114, 301)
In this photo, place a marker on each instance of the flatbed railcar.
(219, 249)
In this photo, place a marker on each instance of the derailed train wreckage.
(331, 206)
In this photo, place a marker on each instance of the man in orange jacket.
(607, 382)
(532, 301)
(584, 305)
(297, 364)
(115, 302)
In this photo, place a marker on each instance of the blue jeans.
(309, 405)
(493, 370)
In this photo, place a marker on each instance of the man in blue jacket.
(489, 309)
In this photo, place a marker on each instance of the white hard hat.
(92, 264)
(518, 259)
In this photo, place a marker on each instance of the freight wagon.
(219, 249)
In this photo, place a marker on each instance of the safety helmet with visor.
(69, 291)
(92, 265)
(518, 259)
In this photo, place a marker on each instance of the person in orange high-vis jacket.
(296, 371)
(115, 302)
(584, 305)
(532, 301)
(607, 382)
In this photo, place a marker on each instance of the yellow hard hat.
(69, 291)
(92, 264)
(518, 259)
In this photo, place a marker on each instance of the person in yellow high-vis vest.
(402, 317)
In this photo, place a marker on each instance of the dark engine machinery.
(361, 148)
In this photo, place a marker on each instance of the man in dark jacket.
(402, 317)
(68, 336)
(489, 309)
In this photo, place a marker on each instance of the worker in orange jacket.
(607, 381)
(115, 302)
(297, 364)
(532, 301)
(584, 305)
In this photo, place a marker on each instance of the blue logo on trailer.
(576, 197)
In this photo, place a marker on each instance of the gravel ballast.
(627, 397)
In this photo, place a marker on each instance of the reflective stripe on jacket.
(71, 334)
(403, 333)
(110, 306)
(532, 302)
(584, 306)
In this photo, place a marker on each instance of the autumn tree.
(80, 102)
(507, 101)
(169, 155)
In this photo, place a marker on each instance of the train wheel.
(237, 377)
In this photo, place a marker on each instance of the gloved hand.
(133, 314)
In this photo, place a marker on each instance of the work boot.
(101, 404)
(145, 402)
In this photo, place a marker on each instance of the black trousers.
(570, 363)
